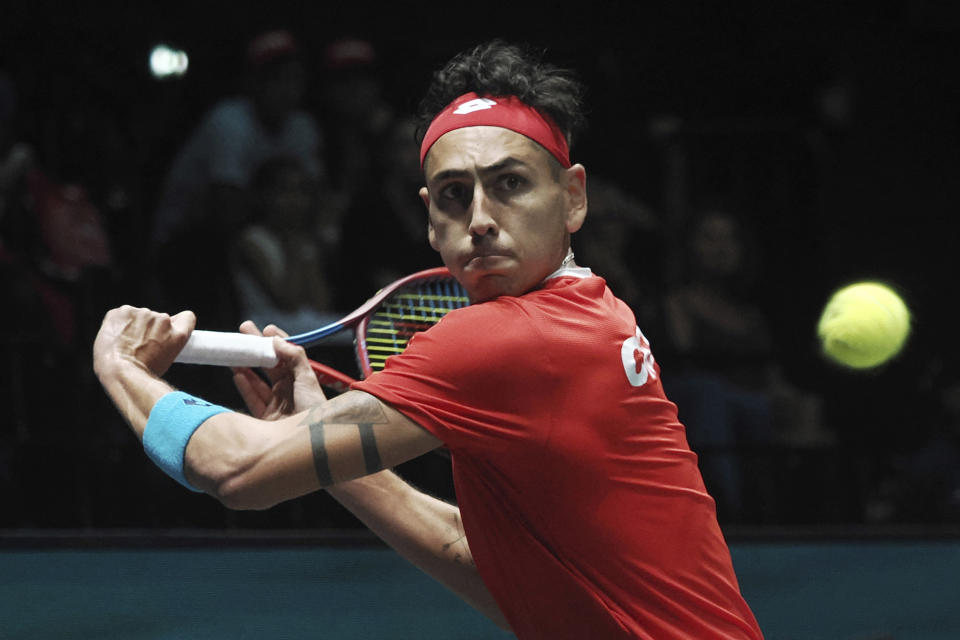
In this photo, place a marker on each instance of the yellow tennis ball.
(864, 325)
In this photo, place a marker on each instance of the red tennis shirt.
(581, 500)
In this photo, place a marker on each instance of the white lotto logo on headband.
(477, 104)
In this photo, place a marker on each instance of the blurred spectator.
(205, 198)
(282, 263)
(722, 368)
(618, 242)
(385, 228)
(72, 232)
(50, 228)
(13, 163)
(355, 115)
(923, 481)
(56, 276)
(15, 156)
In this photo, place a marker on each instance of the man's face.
(500, 212)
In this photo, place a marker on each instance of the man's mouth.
(486, 258)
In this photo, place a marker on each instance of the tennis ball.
(863, 325)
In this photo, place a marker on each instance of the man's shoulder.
(506, 317)
(487, 315)
(487, 328)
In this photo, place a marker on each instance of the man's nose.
(482, 220)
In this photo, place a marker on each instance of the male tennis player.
(582, 504)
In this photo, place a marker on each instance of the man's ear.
(431, 234)
(576, 189)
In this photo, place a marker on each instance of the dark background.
(737, 95)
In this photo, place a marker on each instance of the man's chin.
(486, 286)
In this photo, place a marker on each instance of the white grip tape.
(228, 350)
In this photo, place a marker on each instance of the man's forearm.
(425, 530)
(133, 390)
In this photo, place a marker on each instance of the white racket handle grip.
(228, 350)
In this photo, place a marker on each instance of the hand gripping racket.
(382, 327)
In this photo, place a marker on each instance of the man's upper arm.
(356, 434)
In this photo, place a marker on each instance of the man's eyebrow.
(506, 163)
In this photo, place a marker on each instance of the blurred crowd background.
(743, 162)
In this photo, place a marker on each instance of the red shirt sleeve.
(459, 379)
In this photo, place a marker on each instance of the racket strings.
(409, 311)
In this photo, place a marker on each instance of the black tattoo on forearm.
(364, 414)
(368, 442)
(320, 462)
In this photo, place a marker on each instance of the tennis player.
(581, 511)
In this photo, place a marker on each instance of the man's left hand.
(292, 387)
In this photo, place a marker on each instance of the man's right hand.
(142, 337)
(292, 387)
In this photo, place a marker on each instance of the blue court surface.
(850, 590)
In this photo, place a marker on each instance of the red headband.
(508, 112)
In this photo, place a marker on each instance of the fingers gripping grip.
(228, 350)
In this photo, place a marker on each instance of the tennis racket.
(383, 326)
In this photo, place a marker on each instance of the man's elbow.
(239, 493)
(231, 482)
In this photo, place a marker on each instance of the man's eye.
(511, 182)
(453, 191)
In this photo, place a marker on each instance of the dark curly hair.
(497, 68)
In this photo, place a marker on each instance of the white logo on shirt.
(637, 359)
(477, 104)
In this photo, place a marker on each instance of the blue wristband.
(170, 426)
